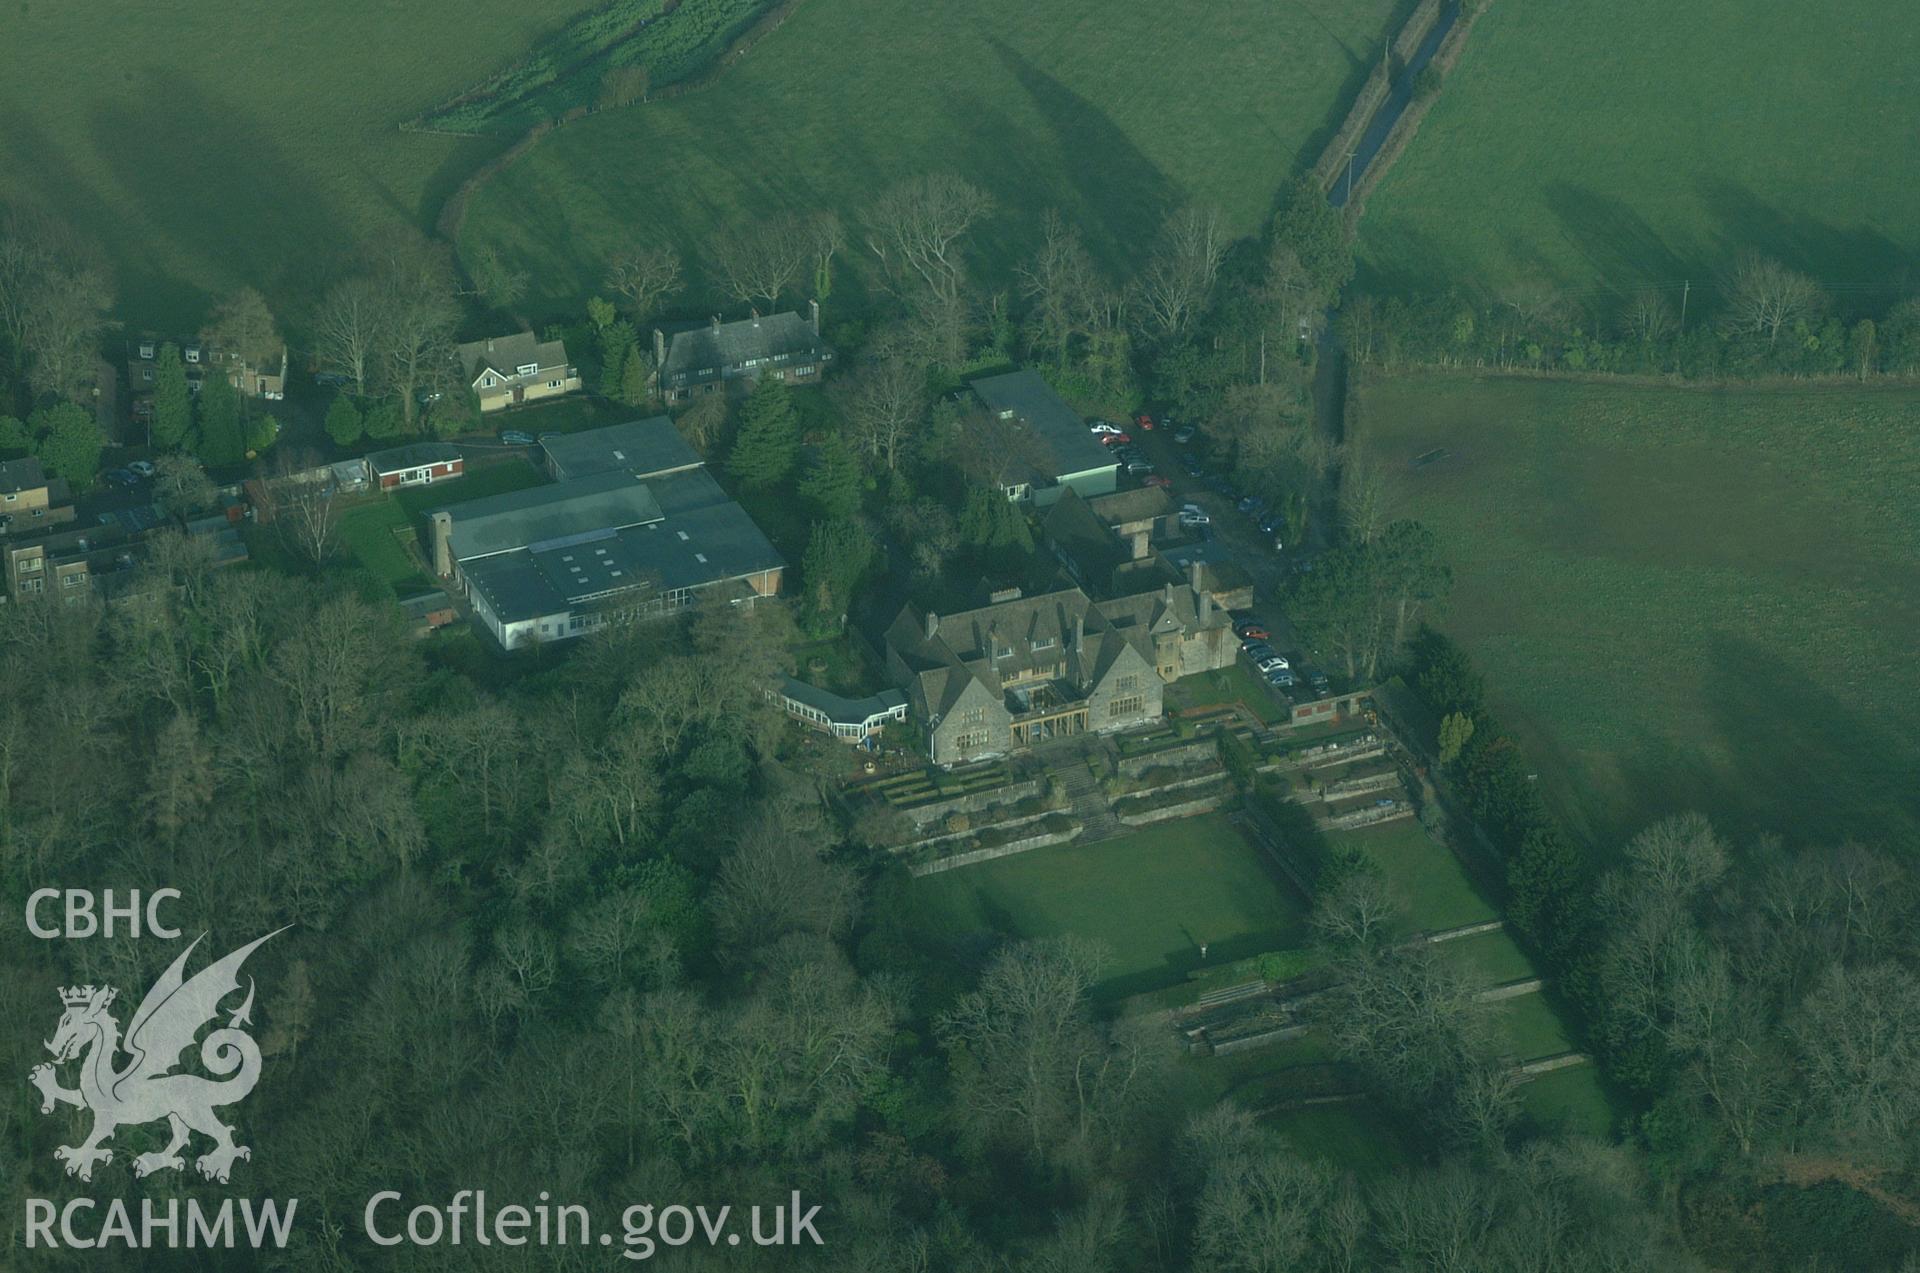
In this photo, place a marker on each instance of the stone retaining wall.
(1167, 813)
(974, 802)
(998, 851)
(1195, 752)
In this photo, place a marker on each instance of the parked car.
(120, 477)
(1195, 520)
(1185, 433)
(1155, 479)
(1271, 523)
(1246, 504)
(1256, 650)
(1193, 465)
(1136, 468)
(1318, 680)
(1251, 630)
(143, 468)
(332, 379)
(515, 437)
(1281, 679)
(1101, 426)
(1116, 438)
(1145, 422)
(1271, 664)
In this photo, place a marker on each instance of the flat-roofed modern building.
(1065, 455)
(556, 562)
(649, 448)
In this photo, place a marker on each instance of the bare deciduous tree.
(916, 230)
(1764, 296)
(1648, 317)
(884, 400)
(417, 317)
(305, 506)
(243, 325)
(760, 260)
(347, 330)
(1173, 289)
(644, 275)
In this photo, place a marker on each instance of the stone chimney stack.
(1169, 596)
(659, 348)
(716, 322)
(933, 625)
(489, 344)
(1202, 599)
(813, 317)
(1079, 636)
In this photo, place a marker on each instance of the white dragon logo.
(161, 1029)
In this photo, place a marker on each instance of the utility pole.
(1686, 289)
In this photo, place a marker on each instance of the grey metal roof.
(1034, 403)
(644, 447)
(517, 519)
(703, 547)
(717, 346)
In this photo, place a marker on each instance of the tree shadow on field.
(1812, 766)
(218, 186)
(1123, 195)
(1867, 266)
(1623, 249)
(148, 293)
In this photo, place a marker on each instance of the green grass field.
(368, 530)
(1681, 599)
(221, 143)
(1554, 149)
(1113, 111)
(1151, 897)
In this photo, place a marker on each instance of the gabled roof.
(504, 354)
(1084, 540)
(1058, 426)
(646, 448)
(719, 345)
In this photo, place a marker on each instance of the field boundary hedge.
(1445, 58)
(1374, 91)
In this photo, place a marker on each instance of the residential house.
(101, 560)
(649, 448)
(266, 379)
(732, 357)
(851, 720)
(417, 464)
(1063, 455)
(506, 371)
(30, 501)
(556, 562)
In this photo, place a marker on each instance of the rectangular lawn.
(1424, 876)
(1151, 897)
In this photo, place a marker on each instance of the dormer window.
(193, 353)
(146, 349)
(527, 369)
